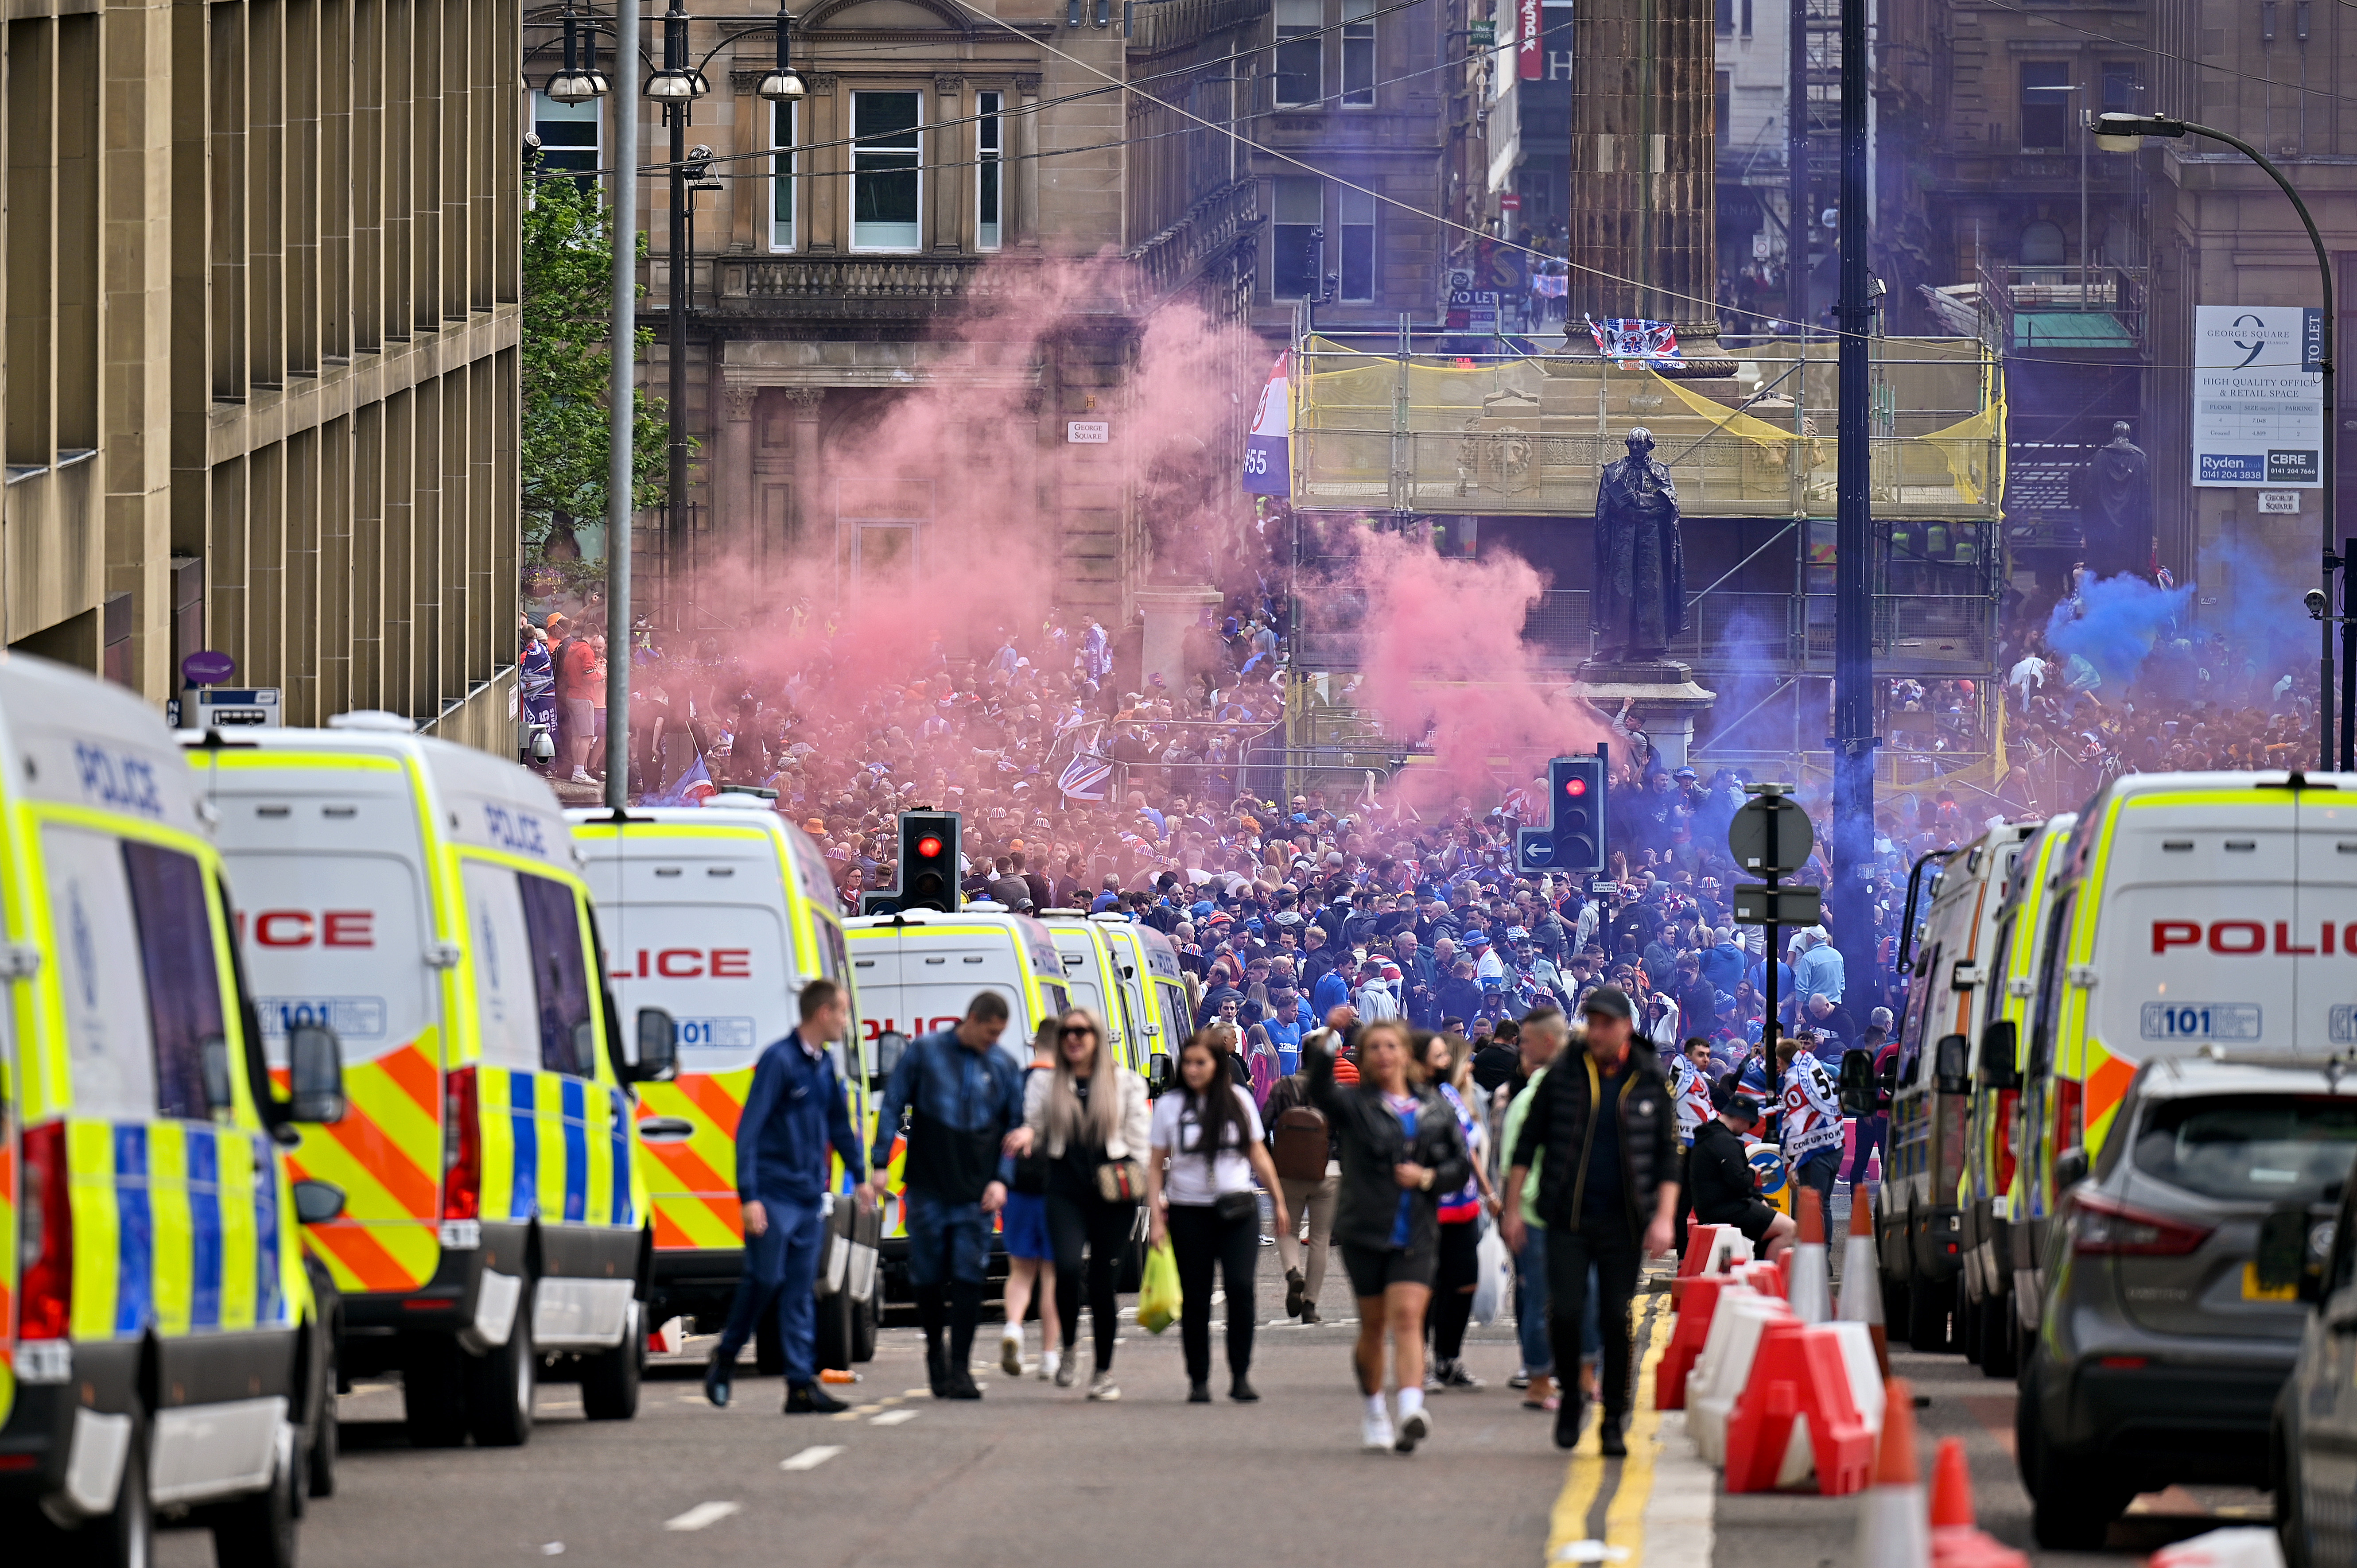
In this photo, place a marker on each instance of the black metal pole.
(1852, 738)
(1796, 173)
(675, 416)
(2348, 658)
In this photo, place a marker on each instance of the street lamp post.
(2117, 132)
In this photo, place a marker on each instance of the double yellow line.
(1630, 1479)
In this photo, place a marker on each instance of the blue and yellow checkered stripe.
(177, 1229)
(555, 1148)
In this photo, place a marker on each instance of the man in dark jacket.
(794, 1114)
(1725, 1191)
(1609, 1193)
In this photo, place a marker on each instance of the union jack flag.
(1086, 777)
(1621, 340)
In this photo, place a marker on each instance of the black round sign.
(1771, 835)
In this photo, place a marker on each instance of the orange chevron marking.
(693, 1174)
(361, 1253)
(711, 1096)
(417, 1078)
(409, 1186)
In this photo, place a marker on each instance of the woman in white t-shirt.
(1210, 1135)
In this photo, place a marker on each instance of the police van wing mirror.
(1159, 1074)
(315, 1074)
(2070, 1169)
(212, 1056)
(1952, 1065)
(890, 1046)
(1858, 1094)
(316, 1202)
(2000, 1058)
(658, 1053)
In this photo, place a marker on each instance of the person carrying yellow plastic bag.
(1157, 1291)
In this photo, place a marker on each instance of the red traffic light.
(1575, 785)
(929, 846)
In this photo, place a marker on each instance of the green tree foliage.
(569, 268)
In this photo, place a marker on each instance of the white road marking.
(701, 1515)
(894, 1417)
(811, 1458)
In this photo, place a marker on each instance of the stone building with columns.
(943, 156)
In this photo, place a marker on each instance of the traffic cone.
(1861, 1287)
(1955, 1542)
(1893, 1528)
(1808, 1288)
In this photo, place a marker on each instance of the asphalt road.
(1038, 1475)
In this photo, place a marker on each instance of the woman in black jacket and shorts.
(1400, 1150)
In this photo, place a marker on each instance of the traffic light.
(1572, 839)
(929, 861)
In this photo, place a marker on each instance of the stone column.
(1643, 153)
(1169, 612)
(805, 533)
(732, 484)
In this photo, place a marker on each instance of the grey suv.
(2315, 1447)
(2161, 1351)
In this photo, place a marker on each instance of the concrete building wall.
(259, 392)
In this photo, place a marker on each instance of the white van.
(915, 972)
(1093, 978)
(1918, 1221)
(720, 915)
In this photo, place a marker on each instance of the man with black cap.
(1725, 1192)
(1608, 1191)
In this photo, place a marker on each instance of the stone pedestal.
(1170, 614)
(1665, 696)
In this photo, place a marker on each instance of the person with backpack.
(1310, 1175)
(1209, 1135)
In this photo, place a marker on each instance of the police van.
(1158, 991)
(718, 916)
(1996, 1229)
(2188, 909)
(162, 1346)
(423, 899)
(1094, 957)
(1918, 1221)
(915, 972)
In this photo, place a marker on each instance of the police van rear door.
(2324, 932)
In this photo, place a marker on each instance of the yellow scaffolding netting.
(1527, 434)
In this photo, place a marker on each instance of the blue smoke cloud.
(2252, 598)
(2113, 623)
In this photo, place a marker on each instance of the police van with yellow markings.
(1093, 961)
(425, 899)
(718, 916)
(161, 1344)
(914, 972)
(1165, 1004)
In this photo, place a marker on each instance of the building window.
(990, 169)
(1300, 211)
(2045, 105)
(1299, 79)
(884, 182)
(568, 135)
(1723, 16)
(1747, 18)
(781, 177)
(2041, 244)
(1722, 103)
(2119, 87)
(1358, 51)
(1358, 245)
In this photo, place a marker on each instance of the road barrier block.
(1725, 1366)
(1813, 1403)
(1687, 1339)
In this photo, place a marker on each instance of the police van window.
(1059, 1002)
(560, 976)
(101, 975)
(499, 947)
(183, 975)
(1919, 1023)
(2051, 968)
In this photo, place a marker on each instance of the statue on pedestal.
(1638, 598)
(2114, 496)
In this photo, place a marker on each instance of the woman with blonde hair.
(1090, 1118)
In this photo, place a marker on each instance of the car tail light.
(2103, 1226)
(2068, 1094)
(47, 1240)
(462, 1147)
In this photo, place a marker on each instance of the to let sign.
(1087, 431)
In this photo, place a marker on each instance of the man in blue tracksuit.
(794, 1114)
(963, 1095)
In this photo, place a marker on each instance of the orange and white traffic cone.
(1955, 1541)
(1893, 1528)
(1809, 1288)
(1861, 1286)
